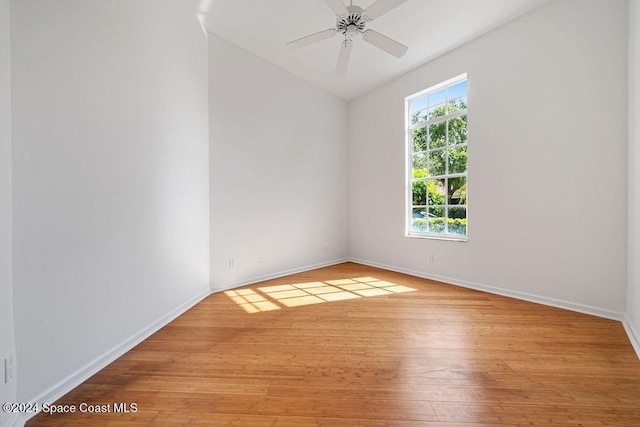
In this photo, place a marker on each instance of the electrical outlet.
(430, 259)
(232, 261)
(9, 368)
(260, 258)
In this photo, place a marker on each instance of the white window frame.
(409, 128)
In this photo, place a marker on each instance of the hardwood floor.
(385, 349)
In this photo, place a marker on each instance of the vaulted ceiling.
(428, 27)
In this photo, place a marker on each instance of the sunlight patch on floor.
(250, 301)
(268, 298)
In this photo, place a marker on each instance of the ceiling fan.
(350, 21)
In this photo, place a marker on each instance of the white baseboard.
(634, 335)
(67, 384)
(257, 279)
(567, 305)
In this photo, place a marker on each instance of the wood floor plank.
(351, 345)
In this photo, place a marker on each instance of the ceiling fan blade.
(313, 38)
(385, 43)
(343, 57)
(337, 6)
(380, 7)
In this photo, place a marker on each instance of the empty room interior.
(320, 212)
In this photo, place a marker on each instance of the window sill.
(439, 237)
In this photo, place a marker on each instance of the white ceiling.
(429, 27)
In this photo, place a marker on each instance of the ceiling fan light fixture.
(351, 31)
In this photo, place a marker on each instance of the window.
(437, 161)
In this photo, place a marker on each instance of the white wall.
(7, 342)
(547, 156)
(110, 176)
(278, 154)
(633, 290)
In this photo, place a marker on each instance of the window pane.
(419, 116)
(457, 104)
(458, 160)
(436, 220)
(457, 222)
(436, 211)
(419, 192)
(419, 224)
(435, 188)
(437, 161)
(419, 218)
(457, 132)
(437, 132)
(436, 111)
(457, 90)
(419, 212)
(419, 137)
(457, 191)
(419, 166)
(417, 104)
(437, 97)
(457, 212)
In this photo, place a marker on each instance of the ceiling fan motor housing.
(352, 23)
